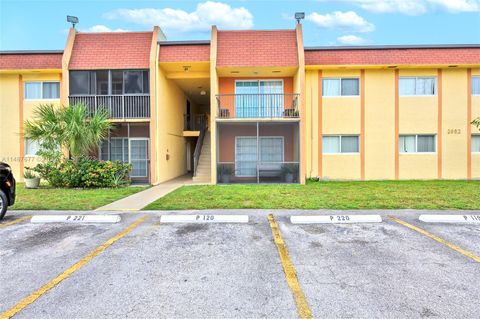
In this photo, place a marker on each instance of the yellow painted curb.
(15, 221)
(438, 239)
(67, 273)
(301, 302)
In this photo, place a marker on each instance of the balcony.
(117, 106)
(255, 106)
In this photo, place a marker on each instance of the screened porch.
(261, 152)
(129, 143)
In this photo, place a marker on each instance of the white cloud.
(457, 5)
(102, 28)
(413, 7)
(351, 40)
(348, 21)
(205, 15)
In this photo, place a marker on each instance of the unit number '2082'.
(340, 218)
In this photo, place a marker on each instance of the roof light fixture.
(73, 20)
(299, 16)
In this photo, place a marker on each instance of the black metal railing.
(194, 122)
(117, 106)
(269, 105)
(198, 149)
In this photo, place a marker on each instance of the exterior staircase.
(204, 168)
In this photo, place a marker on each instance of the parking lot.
(143, 268)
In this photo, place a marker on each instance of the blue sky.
(28, 25)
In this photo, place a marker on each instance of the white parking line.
(464, 219)
(204, 219)
(335, 219)
(97, 219)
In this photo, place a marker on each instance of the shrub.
(289, 168)
(29, 174)
(224, 170)
(85, 173)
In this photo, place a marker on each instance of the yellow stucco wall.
(342, 115)
(170, 140)
(9, 129)
(454, 117)
(341, 166)
(418, 115)
(475, 114)
(311, 122)
(10, 141)
(379, 124)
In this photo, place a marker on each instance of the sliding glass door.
(271, 149)
(259, 98)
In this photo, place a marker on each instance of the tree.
(70, 128)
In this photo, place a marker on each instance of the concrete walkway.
(139, 200)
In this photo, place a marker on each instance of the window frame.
(110, 79)
(475, 77)
(477, 135)
(258, 82)
(41, 90)
(341, 80)
(435, 87)
(416, 144)
(109, 152)
(27, 140)
(340, 144)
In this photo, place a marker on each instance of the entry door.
(139, 157)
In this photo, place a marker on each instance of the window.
(109, 82)
(115, 150)
(134, 151)
(341, 87)
(135, 82)
(417, 86)
(335, 144)
(476, 85)
(476, 143)
(117, 82)
(102, 82)
(31, 147)
(417, 144)
(82, 82)
(271, 149)
(41, 90)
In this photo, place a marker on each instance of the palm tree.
(70, 127)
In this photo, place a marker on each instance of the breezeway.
(205, 270)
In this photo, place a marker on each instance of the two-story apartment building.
(256, 106)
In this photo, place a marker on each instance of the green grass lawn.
(332, 195)
(63, 199)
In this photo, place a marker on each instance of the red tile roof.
(420, 56)
(187, 53)
(111, 50)
(33, 61)
(257, 48)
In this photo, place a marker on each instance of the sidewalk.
(139, 200)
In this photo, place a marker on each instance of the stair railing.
(198, 148)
